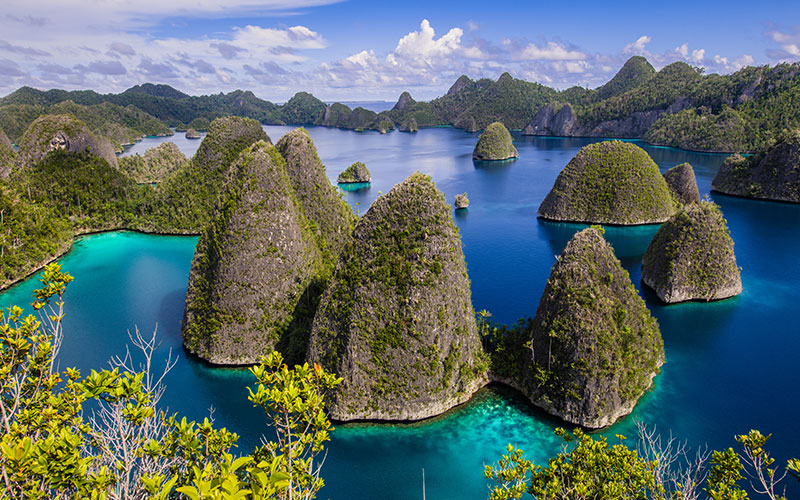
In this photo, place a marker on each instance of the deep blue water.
(731, 365)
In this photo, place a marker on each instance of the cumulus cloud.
(637, 47)
(552, 51)
(420, 48)
(788, 44)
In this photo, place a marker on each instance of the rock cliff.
(7, 155)
(396, 322)
(611, 182)
(691, 257)
(226, 138)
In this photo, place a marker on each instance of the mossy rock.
(462, 201)
(157, 163)
(683, 184)
(50, 132)
(193, 134)
(595, 348)
(396, 322)
(331, 217)
(226, 138)
(357, 172)
(610, 182)
(409, 125)
(495, 143)
(253, 264)
(773, 174)
(7, 155)
(691, 257)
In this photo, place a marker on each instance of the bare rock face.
(610, 182)
(4, 141)
(332, 217)
(404, 101)
(396, 322)
(462, 201)
(595, 348)
(50, 132)
(683, 184)
(773, 174)
(253, 263)
(549, 122)
(691, 257)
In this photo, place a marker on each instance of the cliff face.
(691, 257)
(226, 138)
(50, 132)
(332, 217)
(771, 175)
(594, 345)
(495, 144)
(609, 182)
(396, 322)
(253, 264)
(7, 155)
(683, 184)
(548, 121)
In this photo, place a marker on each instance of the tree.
(128, 449)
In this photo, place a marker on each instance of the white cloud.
(637, 47)
(792, 49)
(552, 52)
(698, 55)
(420, 49)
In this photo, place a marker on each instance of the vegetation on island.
(357, 172)
(51, 132)
(682, 184)
(691, 257)
(495, 143)
(157, 163)
(462, 201)
(610, 182)
(396, 322)
(771, 174)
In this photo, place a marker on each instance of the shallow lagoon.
(731, 365)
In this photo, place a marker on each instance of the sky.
(354, 50)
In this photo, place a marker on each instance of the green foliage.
(302, 108)
(48, 450)
(636, 71)
(156, 164)
(357, 172)
(495, 143)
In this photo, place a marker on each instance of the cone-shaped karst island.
(683, 184)
(610, 182)
(261, 263)
(156, 164)
(50, 132)
(594, 348)
(192, 134)
(495, 144)
(772, 174)
(691, 257)
(331, 217)
(357, 172)
(396, 322)
(226, 138)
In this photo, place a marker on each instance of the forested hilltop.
(677, 106)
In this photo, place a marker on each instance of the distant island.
(676, 106)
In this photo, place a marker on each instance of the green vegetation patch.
(495, 143)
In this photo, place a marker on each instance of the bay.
(731, 365)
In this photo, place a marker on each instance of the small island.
(771, 174)
(683, 184)
(462, 202)
(594, 348)
(494, 144)
(193, 134)
(355, 173)
(691, 257)
(610, 182)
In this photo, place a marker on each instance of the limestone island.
(50, 132)
(193, 134)
(683, 184)
(462, 201)
(594, 347)
(157, 164)
(7, 155)
(396, 322)
(691, 257)
(261, 263)
(357, 172)
(610, 182)
(495, 143)
(772, 174)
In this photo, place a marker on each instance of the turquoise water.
(731, 365)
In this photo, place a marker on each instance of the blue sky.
(373, 50)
